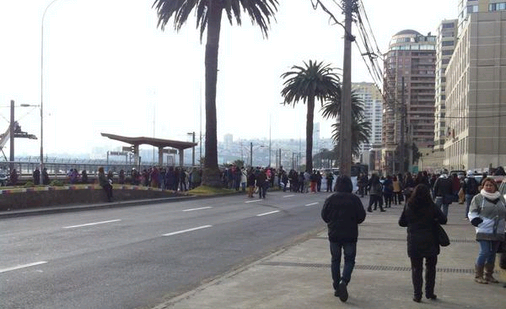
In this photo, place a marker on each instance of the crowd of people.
(425, 199)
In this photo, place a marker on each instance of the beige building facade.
(476, 92)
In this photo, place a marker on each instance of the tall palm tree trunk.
(309, 133)
(211, 173)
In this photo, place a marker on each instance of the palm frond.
(261, 12)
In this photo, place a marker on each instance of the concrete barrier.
(44, 196)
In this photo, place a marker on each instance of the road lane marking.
(311, 204)
(253, 201)
(268, 213)
(193, 209)
(289, 195)
(22, 266)
(188, 230)
(90, 224)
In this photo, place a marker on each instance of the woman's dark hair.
(420, 197)
(343, 184)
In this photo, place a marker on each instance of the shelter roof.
(157, 142)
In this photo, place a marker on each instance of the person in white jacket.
(488, 214)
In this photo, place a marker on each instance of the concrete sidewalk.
(299, 276)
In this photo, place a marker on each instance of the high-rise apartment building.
(446, 39)
(476, 88)
(408, 108)
(467, 7)
(228, 139)
(370, 95)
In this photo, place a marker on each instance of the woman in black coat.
(420, 216)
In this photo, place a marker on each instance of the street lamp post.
(251, 152)
(42, 85)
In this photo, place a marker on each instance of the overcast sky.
(108, 68)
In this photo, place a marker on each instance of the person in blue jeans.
(470, 186)
(488, 214)
(343, 212)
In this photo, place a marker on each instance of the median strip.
(90, 224)
(22, 266)
(188, 230)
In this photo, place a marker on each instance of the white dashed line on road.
(289, 195)
(311, 204)
(188, 230)
(268, 213)
(253, 201)
(201, 208)
(22, 266)
(90, 224)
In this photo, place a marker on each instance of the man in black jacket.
(443, 192)
(343, 212)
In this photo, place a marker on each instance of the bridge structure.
(161, 144)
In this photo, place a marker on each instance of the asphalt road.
(137, 257)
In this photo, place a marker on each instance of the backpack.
(471, 186)
(377, 187)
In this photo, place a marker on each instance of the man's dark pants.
(350, 251)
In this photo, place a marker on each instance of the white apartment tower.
(446, 39)
(370, 95)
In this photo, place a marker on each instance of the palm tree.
(209, 14)
(332, 107)
(313, 81)
(360, 128)
(360, 132)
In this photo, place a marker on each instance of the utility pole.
(251, 154)
(193, 148)
(402, 155)
(11, 138)
(345, 126)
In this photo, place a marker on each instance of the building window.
(497, 6)
(448, 43)
(472, 8)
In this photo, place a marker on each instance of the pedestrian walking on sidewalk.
(420, 216)
(487, 213)
(375, 194)
(343, 212)
(444, 192)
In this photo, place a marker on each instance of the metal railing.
(58, 168)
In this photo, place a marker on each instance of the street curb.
(76, 208)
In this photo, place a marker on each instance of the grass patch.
(205, 190)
